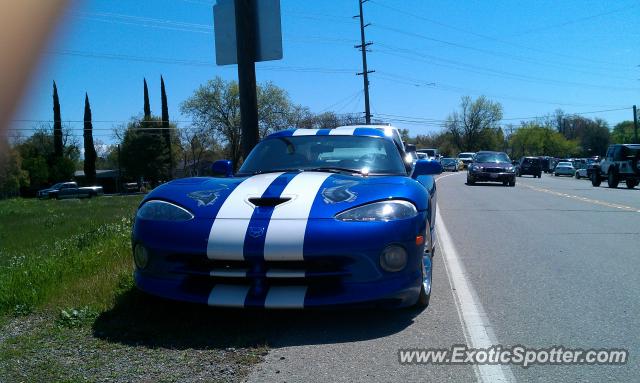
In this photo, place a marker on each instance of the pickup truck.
(70, 190)
(622, 163)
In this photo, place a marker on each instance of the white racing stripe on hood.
(226, 238)
(285, 235)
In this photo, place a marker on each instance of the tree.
(40, 161)
(215, 107)
(533, 139)
(143, 153)
(12, 176)
(147, 105)
(166, 129)
(89, 148)
(57, 124)
(622, 133)
(471, 126)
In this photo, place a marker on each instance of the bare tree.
(474, 120)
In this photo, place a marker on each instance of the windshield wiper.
(334, 169)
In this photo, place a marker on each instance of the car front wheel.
(612, 179)
(595, 179)
(425, 289)
(631, 184)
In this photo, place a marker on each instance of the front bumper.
(492, 177)
(341, 266)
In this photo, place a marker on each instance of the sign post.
(247, 31)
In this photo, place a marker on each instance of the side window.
(616, 153)
(610, 152)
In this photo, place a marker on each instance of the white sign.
(268, 41)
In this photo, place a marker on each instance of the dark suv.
(621, 163)
(529, 166)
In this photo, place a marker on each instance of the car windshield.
(56, 186)
(373, 155)
(447, 161)
(465, 155)
(492, 157)
(565, 164)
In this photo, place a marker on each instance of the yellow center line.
(583, 199)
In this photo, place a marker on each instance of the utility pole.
(365, 73)
(246, 34)
(119, 178)
(635, 125)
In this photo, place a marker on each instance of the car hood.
(296, 195)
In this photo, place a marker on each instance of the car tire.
(595, 179)
(631, 183)
(555, 174)
(424, 297)
(470, 182)
(577, 175)
(612, 179)
(512, 183)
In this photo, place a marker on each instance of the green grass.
(70, 253)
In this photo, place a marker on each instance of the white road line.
(478, 330)
(583, 199)
(447, 175)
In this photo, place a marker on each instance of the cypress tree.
(89, 148)
(57, 124)
(147, 106)
(166, 131)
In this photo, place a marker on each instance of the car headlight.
(380, 211)
(156, 210)
(511, 169)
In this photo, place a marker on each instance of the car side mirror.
(222, 168)
(426, 168)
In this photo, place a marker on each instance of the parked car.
(466, 158)
(622, 163)
(491, 167)
(313, 218)
(529, 166)
(564, 168)
(70, 190)
(546, 163)
(431, 153)
(450, 164)
(581, 173)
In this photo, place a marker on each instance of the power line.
(580, 60)
(203, 63)
(410, 55)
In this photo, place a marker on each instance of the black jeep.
(529, 166)
(621, 163)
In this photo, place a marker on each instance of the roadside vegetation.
(69, 310)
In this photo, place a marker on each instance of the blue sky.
(533, 57)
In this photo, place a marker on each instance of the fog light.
(140, 256)
(393, 258)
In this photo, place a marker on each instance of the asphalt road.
(552, 261)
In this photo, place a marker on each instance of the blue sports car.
(313, 218)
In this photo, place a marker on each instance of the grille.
(327, 267)
(493, 170)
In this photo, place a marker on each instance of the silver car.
(564, 169)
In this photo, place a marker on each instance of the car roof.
(343, 131)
